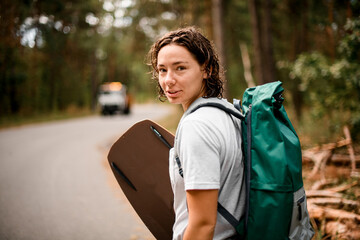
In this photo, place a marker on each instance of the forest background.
(54, 54)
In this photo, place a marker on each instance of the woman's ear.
(206, 74)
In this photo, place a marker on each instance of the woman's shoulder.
(206, 117)
(208, 112)
(205, 123)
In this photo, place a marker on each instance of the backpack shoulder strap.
(231, 109)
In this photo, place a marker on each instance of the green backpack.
(275, 200)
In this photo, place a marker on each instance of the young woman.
(207, 141)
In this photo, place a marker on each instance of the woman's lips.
(173, 93)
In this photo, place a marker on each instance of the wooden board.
(139, 160)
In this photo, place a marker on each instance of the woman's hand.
(202, 207)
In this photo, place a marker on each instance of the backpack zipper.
(299, 203)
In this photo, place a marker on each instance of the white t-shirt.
(208, 143)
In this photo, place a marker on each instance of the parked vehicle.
(113, 97)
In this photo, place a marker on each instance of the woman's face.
(180, 75)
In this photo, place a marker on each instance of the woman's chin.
(173, 100)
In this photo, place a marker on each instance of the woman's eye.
(180, 68)
(162, 70)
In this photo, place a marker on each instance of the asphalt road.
(55, 182)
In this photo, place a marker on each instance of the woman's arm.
(202, 206)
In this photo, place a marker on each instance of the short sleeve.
(200, 156)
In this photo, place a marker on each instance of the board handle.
(158, 134)
(122, 175)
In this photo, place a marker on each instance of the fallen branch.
(310, 153)
(321, 183)
(340, 230)
(350, 148)
(320, 158)
(333, 201)
(335, 228)
(318, 212)
(320, 155)
(322, 193)
(335, 158)
(342, 187)
(341, 158)
(330, 146)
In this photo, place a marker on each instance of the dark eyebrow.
(180, 62)
(175, 63)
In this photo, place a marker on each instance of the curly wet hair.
(201, 48)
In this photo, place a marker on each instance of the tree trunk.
(208, 22)
(218, 25)
(330, 31)
(269, 73)
(247, 65)
(298, 17)
(256, 37)
(349, 13)
(262, 38)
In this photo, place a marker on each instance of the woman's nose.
(169, 78)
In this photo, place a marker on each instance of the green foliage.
(332, 89)
(350, 45)
(44, 66)
(54, 53)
